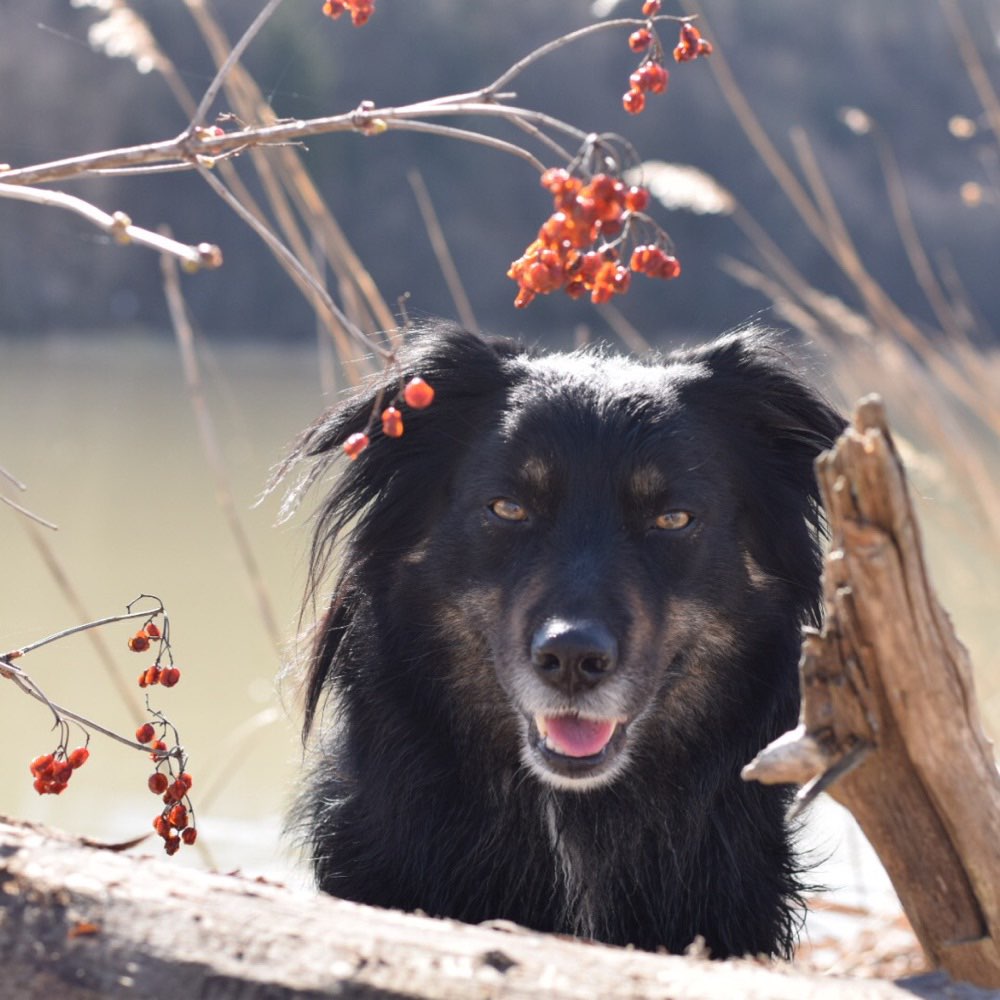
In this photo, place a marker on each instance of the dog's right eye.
(508, 510)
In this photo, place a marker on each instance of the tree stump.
(889, 723)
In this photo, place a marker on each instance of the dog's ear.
(393, 487)
(778, 425)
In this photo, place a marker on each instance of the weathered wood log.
(889, 724)
(81, 923)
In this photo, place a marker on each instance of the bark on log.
(889, 724)
(80, 923)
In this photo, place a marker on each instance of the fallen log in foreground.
(81, 923)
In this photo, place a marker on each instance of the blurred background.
(847, 189)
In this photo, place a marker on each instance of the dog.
(568, 611)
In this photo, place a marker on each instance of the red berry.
(172, 845)
(170, 676)
(418, 394)
(78, 757)
(185, 779)
(656, 77)
(153, 676)
(61, 773)
(158, 783)
(651, 77)
(355, 444)
(670, 267)
(622, 279)
(145, 733)
(42, 766)
(554, 180)
(651, 8)
(634, 101)
(142, 680)
(639, 40)
(178, 817)
(190, 835)
(139, 643)
(691, 44)
(392, 422)
(151, 629)
(636, 199)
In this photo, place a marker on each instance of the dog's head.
(610, 553)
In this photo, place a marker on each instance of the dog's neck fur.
(574, 871)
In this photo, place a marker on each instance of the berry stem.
(208, 98)
(29, 687)
(111, 619)
(567, 39)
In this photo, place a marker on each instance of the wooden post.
(889, 724)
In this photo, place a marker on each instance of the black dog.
(568, 612)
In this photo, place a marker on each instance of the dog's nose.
(573, 655)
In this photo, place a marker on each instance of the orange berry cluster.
(361, 10)
(652, 76)
(139, 643)
(52, 771)
(167, 676)
(567, 254)
(691, 44)
(175, 821)
(416, 394)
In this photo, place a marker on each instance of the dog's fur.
(462, 629)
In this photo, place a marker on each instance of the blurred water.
(102, 432)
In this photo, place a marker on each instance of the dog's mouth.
(576, 747)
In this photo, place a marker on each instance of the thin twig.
(920, 263)
(126, 692)
(9, 476)
(289, 173)
(478, 138)
(440, 247)
(280, 250)
(557, 43)
(213, 451)
(185, 149)
(27, 513)
(118, 225)
(969, 54)
(14, 673)
(97, 623)
(234, 56)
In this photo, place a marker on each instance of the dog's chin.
(575, 753)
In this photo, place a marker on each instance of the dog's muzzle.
(575, 749)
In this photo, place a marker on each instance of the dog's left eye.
(508, 510)
(673, 520)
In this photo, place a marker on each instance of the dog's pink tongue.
(575, 737)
